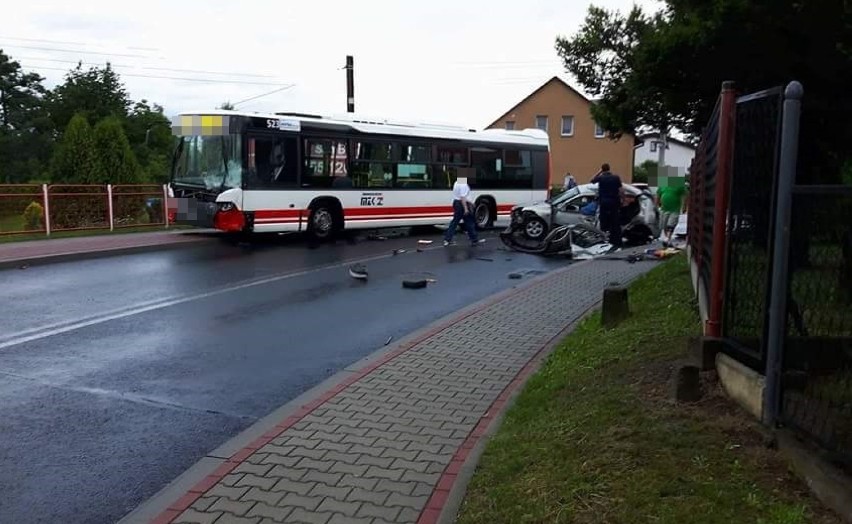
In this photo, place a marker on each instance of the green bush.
(115, 162)
(74, 160)
(34, 217)
(142, 216)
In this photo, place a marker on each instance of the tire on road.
(419, 283)
(326, 219)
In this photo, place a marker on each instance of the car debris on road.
(358, 271)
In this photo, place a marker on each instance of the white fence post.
(109, 207)
(46, 198)
(166, 205)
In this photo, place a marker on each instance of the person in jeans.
(670, 198)
(462, 211)
(610, 191)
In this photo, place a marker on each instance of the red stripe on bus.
(377, 211)
(394, 217)
(278, 213)
(360, 211)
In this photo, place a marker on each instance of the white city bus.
(282, 172)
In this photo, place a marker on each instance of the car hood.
(537, 207)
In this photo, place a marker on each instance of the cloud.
(463, 62)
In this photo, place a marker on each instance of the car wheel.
(535, 228)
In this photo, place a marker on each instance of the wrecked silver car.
(575, 241)
(639, 214)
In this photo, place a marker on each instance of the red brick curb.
(432, 511)
(439, 496)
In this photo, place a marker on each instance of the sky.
(449, 61)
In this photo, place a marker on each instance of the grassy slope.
(593, 438)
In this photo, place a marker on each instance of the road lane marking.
(127, 397)
(33, 334)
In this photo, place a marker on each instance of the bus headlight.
(226, 206)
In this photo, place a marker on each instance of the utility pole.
(661, 152)
(350, 85)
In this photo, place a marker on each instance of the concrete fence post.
(109, 208)
(777, 323)
(166, 205)
(46, 198)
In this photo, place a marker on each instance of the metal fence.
(816, 364)
(702, 188)
(783, 259)
(757, 140)
(709, 184)
(27, 209)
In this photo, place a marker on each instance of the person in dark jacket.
(610, 191)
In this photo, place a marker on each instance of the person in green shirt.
(670, 199)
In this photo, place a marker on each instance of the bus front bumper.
(192, 212)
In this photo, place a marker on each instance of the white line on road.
(143, 307)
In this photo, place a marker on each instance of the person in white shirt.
(462, 211)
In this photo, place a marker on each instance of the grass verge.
(594, 438)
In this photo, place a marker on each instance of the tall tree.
(149, 132)
(115, 162)
(603, 56)
(645, 171)
(25, 129)
(74, 160)
(96, 93)
(677, 61)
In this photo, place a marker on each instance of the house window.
(567, 125)
(654, 146)
(510, 125)
(541, 122)
(599, 131)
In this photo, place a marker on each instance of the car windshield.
(211, 162)
(564, 197)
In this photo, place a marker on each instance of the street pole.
(350, 85)
(781, 251)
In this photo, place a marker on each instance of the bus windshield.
(210, 162)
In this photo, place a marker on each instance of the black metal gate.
(750, 224)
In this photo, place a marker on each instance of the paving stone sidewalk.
(11, 252)
(386, 446)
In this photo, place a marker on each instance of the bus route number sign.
(372, 199)
(284, 124)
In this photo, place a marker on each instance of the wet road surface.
(118, 374)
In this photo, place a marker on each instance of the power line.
(235, 104)
(44, 41)
(37, 48)
(205, 72)
(497, 62)
(66, 61)
(183, 79)
(515, 66)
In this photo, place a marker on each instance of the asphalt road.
(118, 374)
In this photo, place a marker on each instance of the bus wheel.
(322, 223)
(483, 214)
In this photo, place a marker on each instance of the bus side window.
(273, 162)
(488, 166)
(324, 160)
(519, 170)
